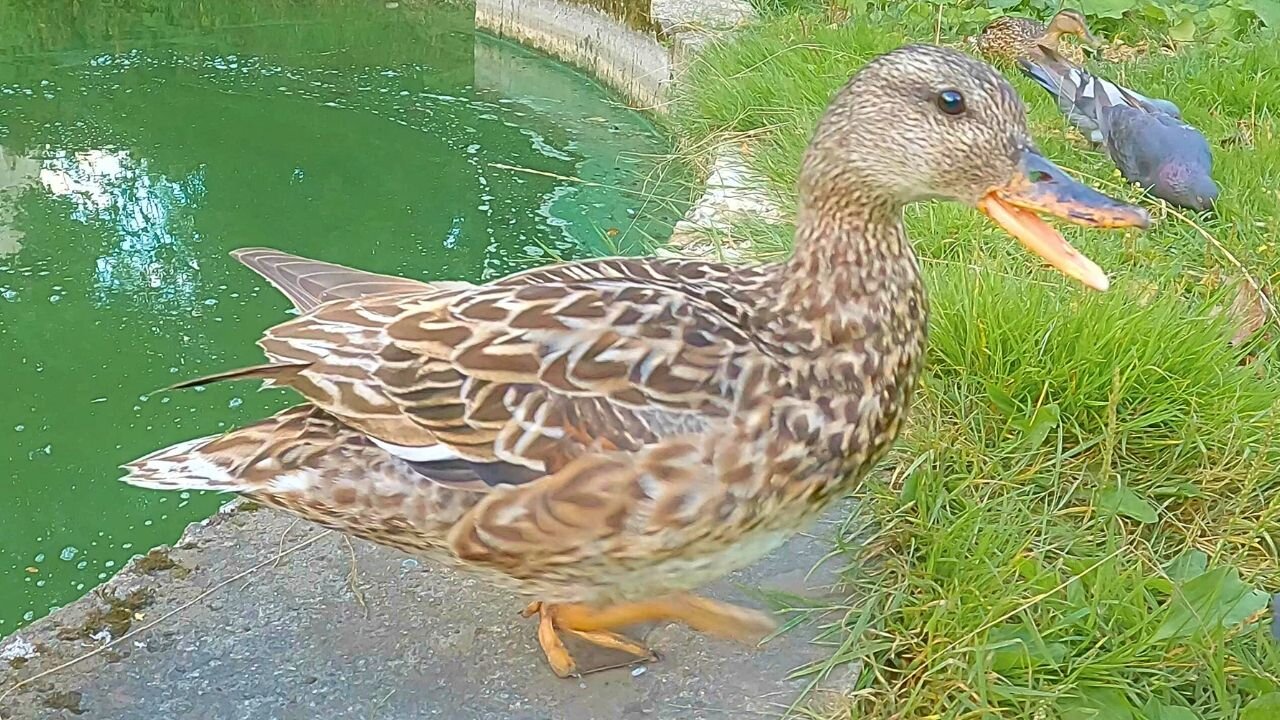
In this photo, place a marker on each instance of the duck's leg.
(595, 624)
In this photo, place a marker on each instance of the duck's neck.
(854, 279)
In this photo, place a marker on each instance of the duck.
(1010, 38)
(601, 438)
(1076, 92)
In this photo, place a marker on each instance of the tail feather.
(244, 460)
(181, 467)
(311, 283)
(1043, 76)
(273, 373)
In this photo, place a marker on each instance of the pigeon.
(1146, 138)
(1076, 91)
(1160, 152)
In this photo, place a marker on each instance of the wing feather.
(488, 421)
(453, 367)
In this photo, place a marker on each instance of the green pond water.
(137, 149)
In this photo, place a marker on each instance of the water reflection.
(17, 173)
(517, 88)
(153, 264)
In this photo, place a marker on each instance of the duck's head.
(928, 122)
(1071, 22)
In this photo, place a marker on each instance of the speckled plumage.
(595, 434)
(1010, 38)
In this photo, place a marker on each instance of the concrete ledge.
(252, 616)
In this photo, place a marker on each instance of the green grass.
(1082, 518)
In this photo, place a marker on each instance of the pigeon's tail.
(1043, 75)
(1061, 79)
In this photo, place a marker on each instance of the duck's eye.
(951, 102)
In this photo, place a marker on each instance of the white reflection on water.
(152, 261)
(17, 172)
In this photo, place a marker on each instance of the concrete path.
(293, 639)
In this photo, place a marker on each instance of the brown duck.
(1012, 38)
(603, 437)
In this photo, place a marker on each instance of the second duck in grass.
(1010, 38)
(603, 437)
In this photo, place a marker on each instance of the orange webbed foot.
(558, 656)
(596, 625)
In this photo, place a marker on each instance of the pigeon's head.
(1186, 185)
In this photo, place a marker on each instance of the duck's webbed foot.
(596, 625)
(562, 663)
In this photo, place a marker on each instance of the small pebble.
(638, 670)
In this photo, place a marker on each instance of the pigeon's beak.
(1041, 187)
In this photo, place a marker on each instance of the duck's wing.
(472, 368)
(576, 408)
(308, 283)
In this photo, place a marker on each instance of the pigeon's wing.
(1177, 135)
(1194, 146)
(1132, 138)
(1085, 97)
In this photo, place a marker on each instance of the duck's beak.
(1042, 187)
(1092, 41)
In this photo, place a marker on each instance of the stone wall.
(630, 61)
(637, 51)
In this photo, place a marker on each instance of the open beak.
(1042, 187)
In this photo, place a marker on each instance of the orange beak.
(1042, 187)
